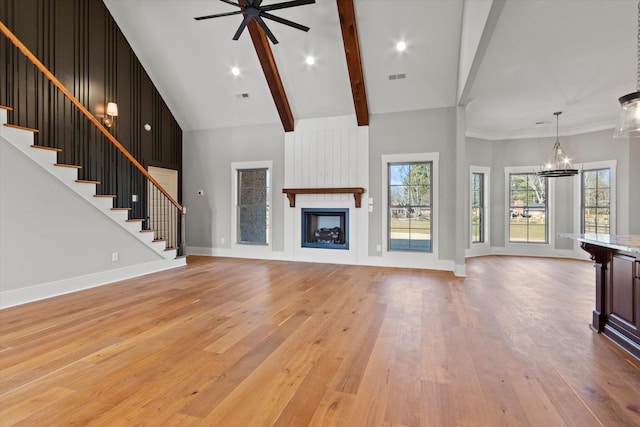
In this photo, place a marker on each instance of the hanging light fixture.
(629, 120)
(558, 163)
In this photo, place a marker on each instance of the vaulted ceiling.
(511, 63)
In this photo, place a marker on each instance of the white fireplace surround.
(327, 153)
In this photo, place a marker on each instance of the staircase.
(23, 139)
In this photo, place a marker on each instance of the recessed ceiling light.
(235, 71)
(310, 60)
(401, 46)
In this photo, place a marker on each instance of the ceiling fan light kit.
(558, 163)
(629, 119)
(253, 9)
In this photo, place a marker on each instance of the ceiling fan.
(253, 9)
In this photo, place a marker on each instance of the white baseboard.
(47, 290)
(374, 261)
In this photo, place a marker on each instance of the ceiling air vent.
(397, 76)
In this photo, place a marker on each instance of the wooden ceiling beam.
(347, 16)
(265, 55)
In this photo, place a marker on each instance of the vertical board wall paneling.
(80, 43)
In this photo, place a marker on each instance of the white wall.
(52, 241)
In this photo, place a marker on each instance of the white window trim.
(402, 258)
(484, 247)
(521, 247)
(577, 193)
(235, 166)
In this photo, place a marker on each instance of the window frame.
(486, 189)
(411, 207)
(549, 211)
(236, 167)
(404, 256)
(578, 190)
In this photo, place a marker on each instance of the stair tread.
(159, 240)
(10, 125)
(4, 107)
(85, 181)
(148, 231)
(63, 165)
(120, 209)
(112, 196)
(42, 147)
(135, 220)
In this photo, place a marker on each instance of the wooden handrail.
(84, 111)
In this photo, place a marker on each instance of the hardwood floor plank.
(237, 342)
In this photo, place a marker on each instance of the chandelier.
(629, 119)
(558, 162)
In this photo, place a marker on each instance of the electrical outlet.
(114, 257)
(370, 200)
(134, 197)
(378, 248)
(370, 208)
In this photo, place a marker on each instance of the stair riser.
(85, 190)
(133, 227)
(146, 237)
(21, 139)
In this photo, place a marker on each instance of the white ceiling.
(575, 56)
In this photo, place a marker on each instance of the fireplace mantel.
(356, 191)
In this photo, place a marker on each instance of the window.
(595, 197)
(528, 208)
(477, 207)
(409, 206)
(253, 206)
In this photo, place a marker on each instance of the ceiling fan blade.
(257, 3)
(232, 3)
(266, 30)
(284, 21)
(242, 26)
(217, 15)
(286, 4)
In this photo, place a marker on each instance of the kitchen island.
(617, 267)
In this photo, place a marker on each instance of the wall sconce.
(112, 111)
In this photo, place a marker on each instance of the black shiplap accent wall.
(82, 46)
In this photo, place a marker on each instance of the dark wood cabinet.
(617, 311)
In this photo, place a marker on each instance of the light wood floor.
(229, 342)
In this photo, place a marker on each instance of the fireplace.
(325, 228)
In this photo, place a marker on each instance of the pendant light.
(629, 120)
(558, 163)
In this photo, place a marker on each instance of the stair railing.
(163, 214)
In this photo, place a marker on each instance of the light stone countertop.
(622, 243)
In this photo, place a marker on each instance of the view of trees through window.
(409, 204)
(595, 201)
(477, 207)
(527, 208)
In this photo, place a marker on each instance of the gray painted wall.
(591, 147)
(209, 154)
(49, 233)
(207, 157)
(420, 131)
